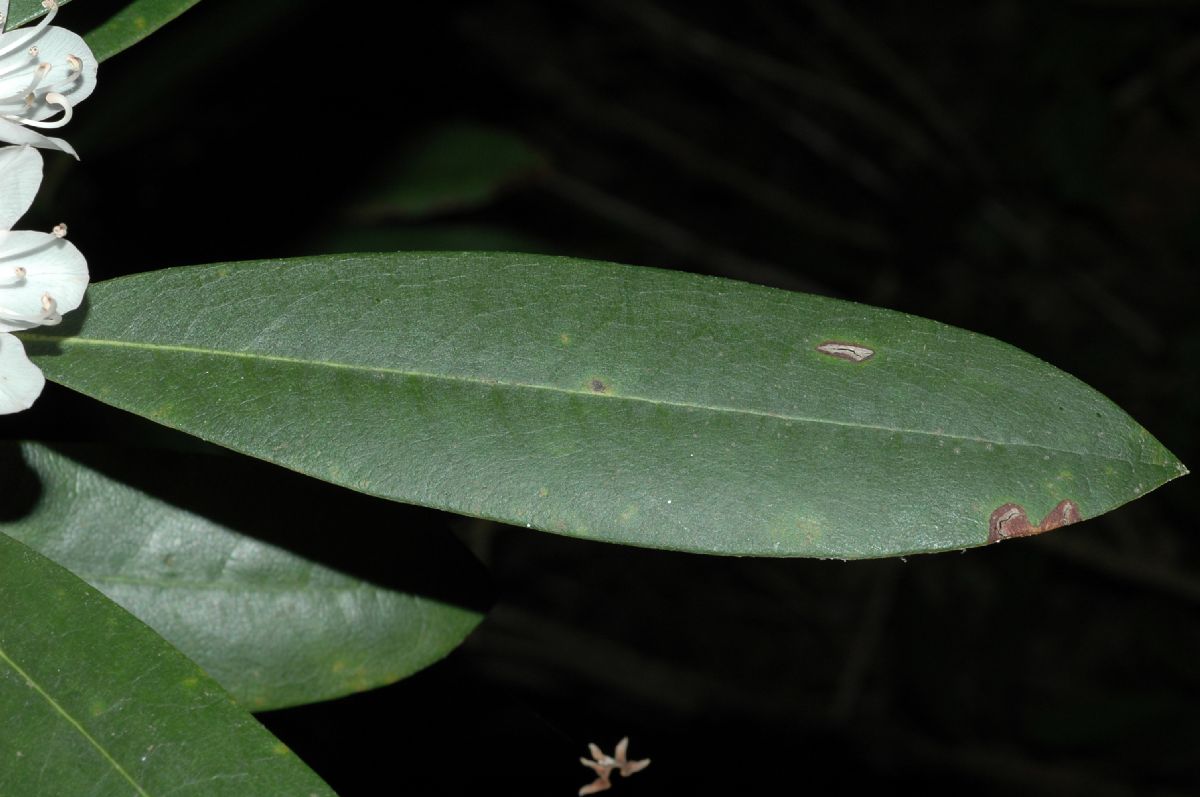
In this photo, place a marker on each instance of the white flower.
(42, 276)
(44, 71)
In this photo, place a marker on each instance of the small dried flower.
(604, 764)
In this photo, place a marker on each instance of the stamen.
(42, 70)
(48, 317)
(15, 275)
(18, 67)
(72, 76)
(60, 231)
(30, 98)
(53, 98)
(50, 309)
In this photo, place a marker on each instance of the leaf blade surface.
(94, 703)
(133, 23)
(611, 402)
(225, 559)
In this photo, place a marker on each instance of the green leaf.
(132, 24)
(452, 168)
(23, 11)
(93, 702)
(183, 542)
(615, 403)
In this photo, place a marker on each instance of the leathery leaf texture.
(92, 702)
(286, 591)
(611, 402)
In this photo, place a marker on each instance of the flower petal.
(52, 266)
(13, 133)
(20, 176)
(21, 381)
(55, 46)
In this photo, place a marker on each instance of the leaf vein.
(72, 721)
(372, 369)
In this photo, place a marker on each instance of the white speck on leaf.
(846, 351)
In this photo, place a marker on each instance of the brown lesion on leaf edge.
(1010, 520)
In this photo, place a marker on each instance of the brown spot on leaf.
(598, 386)
(846, 351)
(1010, 520)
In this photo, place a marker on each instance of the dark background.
(1029, 170)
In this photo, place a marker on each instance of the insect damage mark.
(846, 351)
(1010, 520)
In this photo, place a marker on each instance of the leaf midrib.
(62, 712)
(268, 589)
(140, 345)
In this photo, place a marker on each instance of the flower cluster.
(43, 71)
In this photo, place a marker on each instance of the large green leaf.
(94, 703)
(610, 402)
(133, 23)
(184, 543)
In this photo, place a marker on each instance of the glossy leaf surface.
(93, 703)
(210, 551)
(610, 402)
